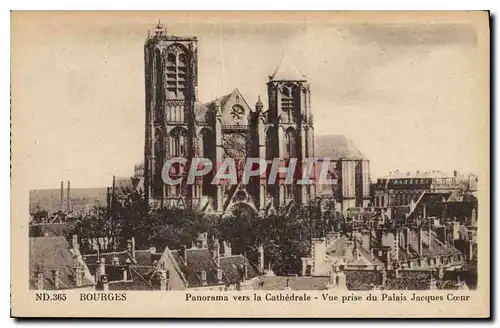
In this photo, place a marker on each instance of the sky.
(404, 93)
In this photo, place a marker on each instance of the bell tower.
(171, 90)
(290, 132)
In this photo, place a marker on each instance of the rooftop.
(287, 71)
(336, 147)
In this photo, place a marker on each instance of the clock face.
(237, 112)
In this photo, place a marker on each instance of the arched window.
(178, 139)
(271, 143)
(287, 102)
(290, 143)
(177, 66)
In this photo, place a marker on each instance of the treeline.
(285, 236)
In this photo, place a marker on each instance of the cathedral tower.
(289, 131)
(171, 91)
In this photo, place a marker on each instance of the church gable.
(235, 109)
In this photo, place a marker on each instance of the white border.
(184, 5)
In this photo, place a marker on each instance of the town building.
(200, 267)
(351, 170)
(402, 258)
(56, 265)
(400, 188)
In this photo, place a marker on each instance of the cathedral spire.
(287, 71)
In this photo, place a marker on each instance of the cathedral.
(178, 125)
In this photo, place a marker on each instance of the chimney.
(200, 240)
(163, 280)
(245, 271)
(152, 250)
(287, 286)
(318, 253)
(74, 241)
(383, 280)
(430, 237)
(204, 278)
(39, 280)
(105, 282)
(406, 233)
(216, 251)
(432, 283)
(440, 272)
(219, 276)
(356, 253)
(261, 259)
(205, 240)
(125, 273)
(102, 266)
(184, 253)
(57, 278)
(133, 248)
(227, 249)
(388, 258)
(62, 196)
(79, 273)
(68, 193)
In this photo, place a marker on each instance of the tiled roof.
(197, 261)
(336, 147)
(144, 261)
(362, 279)
(295, 283)
(406, 284)
(136, 281)
(233, 267)
(51, 253)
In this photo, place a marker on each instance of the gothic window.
(290, 143)
(271, 140)
(178, 139)
(158, 140)
(287, 102)
(207, 145)
(176, 68)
